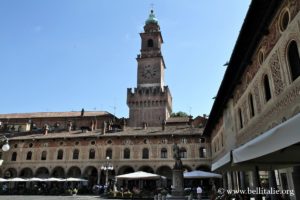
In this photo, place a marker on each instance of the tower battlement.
(150, 96)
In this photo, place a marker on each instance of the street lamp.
(107, 167)
(4, 142)
(5, 145)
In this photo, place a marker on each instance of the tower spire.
(151, 18)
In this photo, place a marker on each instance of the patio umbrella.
(16, 179)
(36, 179)
(3, 180)
(200, 174)
(139, 175)
(55, 179)
(71, 179)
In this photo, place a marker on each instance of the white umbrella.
(36, 179)
(3, 180)
(139, 175)
(71, 179)
(55, 179)
(16, 179)
(201, 174)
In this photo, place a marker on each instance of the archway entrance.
(58, 172)
(74, 172)
(166, 171)
(90, 173)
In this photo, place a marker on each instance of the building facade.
(77, 144)
(255, 118)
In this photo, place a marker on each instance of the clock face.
(148, 72)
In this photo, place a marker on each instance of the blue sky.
(64, 55)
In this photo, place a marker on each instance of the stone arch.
(165, 171)
(293, 59)
(26, 173)
(125, 170)
(58, 172)
(74, 171)
(205, 168)
(91, 174)
(146, 168)
(10, 173)
(42, 172)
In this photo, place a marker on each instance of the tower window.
(164, 153)
(251, 104)
(14, 156)
(44, 155)
(284, 20)
(92, 154)
(60, 154)
(294, 60)
(126, 153)
(75, 154)
(267, 88)
(240, 118)
(145, 153)
(109, 153)
(202, 152)
(183, 153)
(150, 43)
(29, 155)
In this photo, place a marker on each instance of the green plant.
(127, 194)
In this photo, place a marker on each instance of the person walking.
(213, 192)
(199, 193)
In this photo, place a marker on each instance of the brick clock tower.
(151, 102)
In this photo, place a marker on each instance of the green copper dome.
(151, 18)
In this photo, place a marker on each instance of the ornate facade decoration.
(276, 73)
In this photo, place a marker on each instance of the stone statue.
(176, 156)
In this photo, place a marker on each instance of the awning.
(278, 138)
(139, 175)
(221, 162)
(200, 174)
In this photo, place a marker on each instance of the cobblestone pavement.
(34, 197)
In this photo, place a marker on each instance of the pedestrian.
(199, 192)
(213, 192)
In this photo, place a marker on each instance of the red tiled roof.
(52, 114)
(150, 131)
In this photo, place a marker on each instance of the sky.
(65, 55)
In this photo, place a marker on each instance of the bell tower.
(151, 101)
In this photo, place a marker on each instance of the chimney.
(123, 124)
(191, 120)
(69, 126)
(145, 125)
(104, 128)
(92, 125)
(46, 128)
(163, 124)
